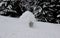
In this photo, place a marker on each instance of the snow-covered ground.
(19, 27)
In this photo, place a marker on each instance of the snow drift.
(19, 27)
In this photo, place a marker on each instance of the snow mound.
(19, 28)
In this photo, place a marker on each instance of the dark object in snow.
(31, 24)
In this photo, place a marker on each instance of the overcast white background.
(19, 28)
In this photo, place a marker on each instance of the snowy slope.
(19, 27)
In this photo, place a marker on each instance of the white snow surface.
(19, 27)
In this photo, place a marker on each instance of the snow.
(19, 27)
